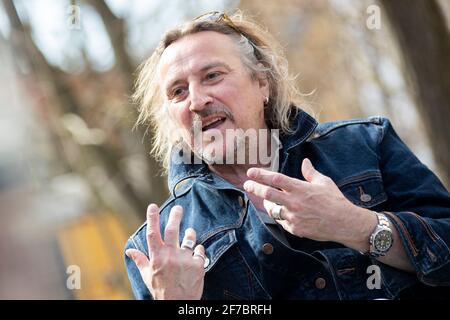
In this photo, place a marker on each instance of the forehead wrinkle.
(171, 68)
(201, 68)
(192, 49)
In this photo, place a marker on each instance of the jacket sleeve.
(138, 286)
(419, 208)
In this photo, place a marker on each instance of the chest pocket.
(364, 190)
(217, 245)
(227, 274)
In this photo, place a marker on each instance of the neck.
(235, 174)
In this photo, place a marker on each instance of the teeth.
(212, 121)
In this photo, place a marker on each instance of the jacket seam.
(254, 274)
(305, 136)
(184, 180)
(347, 181)
(383, 131)
(220, 252)
(405, 232)
(429, 230)
(434, 269)
(212, 233)
(138, 229)
(380, 198)
(381, 136)
(333, 274)
(136, 245)
(340, 124)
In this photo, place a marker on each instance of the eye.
(177, 92)
(213, 75)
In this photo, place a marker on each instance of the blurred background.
(75, 179)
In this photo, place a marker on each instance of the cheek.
(181, 119)
(184, 116)
(234, 98)
(179, 115)
(249, 109)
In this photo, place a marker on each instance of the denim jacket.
(371, 166)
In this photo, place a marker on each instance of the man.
(349, 212)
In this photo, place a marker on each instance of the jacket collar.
(303, 126)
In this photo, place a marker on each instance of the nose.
(199, 98)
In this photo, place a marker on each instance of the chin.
(219, 152)
(213, 153)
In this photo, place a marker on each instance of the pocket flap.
(365, 190)
(217, 245)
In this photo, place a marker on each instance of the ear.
(263, 82)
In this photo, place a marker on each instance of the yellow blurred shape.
(95, 244)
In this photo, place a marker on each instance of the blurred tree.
(69, 101)
(424, 39)
(115, 27)
(354, 71)
(318, 53)
(318, 47)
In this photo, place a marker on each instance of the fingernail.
(178, 208)
(247, 185)
(128, 254)
(152, 207)
(252, 172)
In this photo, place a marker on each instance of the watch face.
(383, 240)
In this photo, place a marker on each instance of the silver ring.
(188, 244)
(198, 254)
(276, 212)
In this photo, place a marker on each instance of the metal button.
(365, 197)
(267, 248)
(320, 283)
(206, 264)
(241, 201)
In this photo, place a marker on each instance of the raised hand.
(171, 272)
(314, 209)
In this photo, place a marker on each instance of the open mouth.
(213, 123)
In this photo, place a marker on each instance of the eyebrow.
(203, 69)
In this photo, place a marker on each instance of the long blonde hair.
(260, 52)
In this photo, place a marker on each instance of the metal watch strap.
(383, 220)
(383, 223)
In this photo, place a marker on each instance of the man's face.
(202, 78)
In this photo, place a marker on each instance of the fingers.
(189, 240)
(199, 254)
(172, 231)
(270, 206)
(310, 173)
(273, 179)
(265, 192)
(139, 258)
(154, 240)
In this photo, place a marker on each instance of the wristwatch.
(381, 238)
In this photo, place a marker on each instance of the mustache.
(198, 116)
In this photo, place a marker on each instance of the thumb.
(138, 258)
(309, 172)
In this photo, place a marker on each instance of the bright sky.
(146, 21)
(62, 44)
